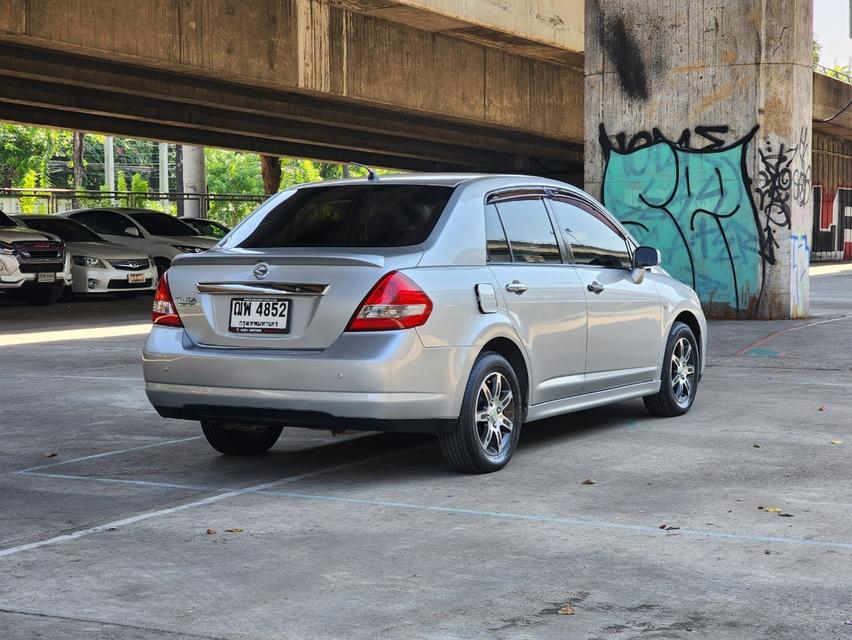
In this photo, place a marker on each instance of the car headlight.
(89, 261)
(6, 249)
(183, 248)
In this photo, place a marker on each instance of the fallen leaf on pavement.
(240, 529)
(772, 509)
(786, 515)
(756, 446)
(821, 409)
(588, 481)
(837, 442)
(210, 532)
(567, 610)
(50, 454)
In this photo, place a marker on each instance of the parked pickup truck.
(33, 265)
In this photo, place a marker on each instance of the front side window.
(529, 231)
(592, 238)
(363, 215)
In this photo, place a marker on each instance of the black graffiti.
(775, 180)
(709, 133)
(623, 50)
(802, 190)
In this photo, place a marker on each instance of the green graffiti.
(695, 206)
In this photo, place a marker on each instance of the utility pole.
(109, 165)
(164, 176)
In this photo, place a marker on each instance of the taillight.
(165, 313)
(394, 303)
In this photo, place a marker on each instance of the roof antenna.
(371, 175)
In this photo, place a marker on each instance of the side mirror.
(646, 257)
(132, 231)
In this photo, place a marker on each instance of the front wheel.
(484, 438)
(679, 377)
(239, 439)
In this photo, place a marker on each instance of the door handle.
(595, 287)
(515, 286)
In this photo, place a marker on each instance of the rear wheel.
(239, 439)
(43, 296)
(679, 377)
(489, 425)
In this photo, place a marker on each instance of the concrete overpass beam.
(698, 137)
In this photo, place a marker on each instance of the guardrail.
(228, 208)
(833, 73)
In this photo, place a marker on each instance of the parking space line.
(108, 453)
(199, 503)
(563, 520)
(141, 483)
(61, 335)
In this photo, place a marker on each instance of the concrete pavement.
(366, 536)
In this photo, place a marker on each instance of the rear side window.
(349, 216)
(496, 244)
(529, 231)
(592, 238)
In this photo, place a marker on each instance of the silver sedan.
(459, 305)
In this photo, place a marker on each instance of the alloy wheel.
(683, 372)
(495, 414)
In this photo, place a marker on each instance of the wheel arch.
(507, 348)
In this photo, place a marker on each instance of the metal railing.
(833, 73)
(228, 208)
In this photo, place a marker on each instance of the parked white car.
(33, 265)
(97, 266)
(152, 233)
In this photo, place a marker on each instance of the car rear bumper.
(384, 381)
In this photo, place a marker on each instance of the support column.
(194, 181)
(164, 175)
(698, 138)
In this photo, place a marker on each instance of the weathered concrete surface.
(543, 29)
(316, 48)
(397, 546)
(830, 97)
(737, 77)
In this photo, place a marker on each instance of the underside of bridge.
(294, 77)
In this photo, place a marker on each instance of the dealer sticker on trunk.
(259, 315)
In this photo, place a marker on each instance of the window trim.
(505, 235)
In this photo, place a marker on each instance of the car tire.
(679, 375)
(43, 296)
(240, 439)
(162, 265)
(487, 431)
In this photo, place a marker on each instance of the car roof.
(439, 179)
(115, 210)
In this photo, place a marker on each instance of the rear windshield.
(161, 224)
(349, 216)
(67, 230)
(6, 221)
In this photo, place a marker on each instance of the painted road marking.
(108, 453)
(198, 503)
(92, 333)
(562, 520)
(825, 269)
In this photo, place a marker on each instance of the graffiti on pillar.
(774, 182)
(624, 50)
(800, 257)
(695, 205)
(832, 226)
(802, 169)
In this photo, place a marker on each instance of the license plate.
(134, 278)
(259, 315)
(43, 277)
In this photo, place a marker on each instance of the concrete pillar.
(698, 138)
(194, 181)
